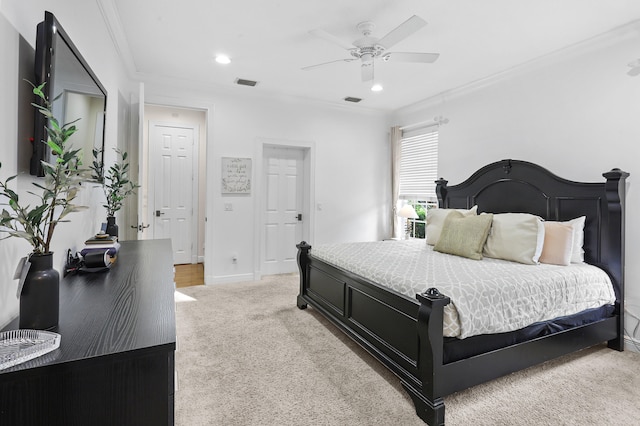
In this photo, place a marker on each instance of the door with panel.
(283, 184)
(171, 186)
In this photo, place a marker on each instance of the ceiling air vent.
(352, 99)
(243, 82)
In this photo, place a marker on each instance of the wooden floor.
(190, 274)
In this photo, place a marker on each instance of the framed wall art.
(236, 175)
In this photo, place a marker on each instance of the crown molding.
(111, 18)
(617, 35)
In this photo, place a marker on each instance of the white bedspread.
(487, 296)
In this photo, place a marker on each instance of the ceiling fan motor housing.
(367, 52)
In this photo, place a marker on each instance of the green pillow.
(464, 235)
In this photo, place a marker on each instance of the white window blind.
(419, 165)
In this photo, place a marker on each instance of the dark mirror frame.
(49, 33)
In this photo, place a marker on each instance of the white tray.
(18, 346)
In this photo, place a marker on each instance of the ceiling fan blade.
(310, 67)
(367, 72)
(634, 71)
(333, 39)
(403, 31)
(426, 58)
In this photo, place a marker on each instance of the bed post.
(613, 250)
(429, 400)
(441, 192)
(303, 261)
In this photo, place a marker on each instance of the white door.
(171, 183)
(283, 183)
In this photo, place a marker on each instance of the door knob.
(141, 227)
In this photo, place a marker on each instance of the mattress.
(488, 296)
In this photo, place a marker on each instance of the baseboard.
(223, 279)
(631, 344)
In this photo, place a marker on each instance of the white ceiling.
(269, 41)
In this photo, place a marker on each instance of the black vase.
(112, 226)
(40, 296)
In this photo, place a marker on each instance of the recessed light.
(376, 88)
(223, 59)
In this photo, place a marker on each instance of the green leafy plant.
(115, 182)
(60, 187)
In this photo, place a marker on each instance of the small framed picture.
(236, 175)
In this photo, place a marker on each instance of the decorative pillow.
(577, 254)
(577, 251)
(436, 218)
(464, 235)
(518, 237)
(558, 243)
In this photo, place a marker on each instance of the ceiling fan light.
(223, 59)
(376, 87)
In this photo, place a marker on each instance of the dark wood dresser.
(115, 364)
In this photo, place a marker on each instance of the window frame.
(421, 193)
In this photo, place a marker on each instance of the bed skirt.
(456, 349)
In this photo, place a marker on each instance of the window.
(418, 173)
(419, 165)
(416, 228)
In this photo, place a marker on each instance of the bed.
(406, 333)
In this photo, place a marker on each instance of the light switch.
(228, 207)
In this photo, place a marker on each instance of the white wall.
(84, 24)
(575, 113)
(352, 171)
(9, 249)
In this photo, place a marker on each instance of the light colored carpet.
(248, 356)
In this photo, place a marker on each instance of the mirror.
(82, 96)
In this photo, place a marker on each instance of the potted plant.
(39, 296)
(116, 185)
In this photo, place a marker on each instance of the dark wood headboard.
(521, 187)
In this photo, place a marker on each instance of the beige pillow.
(558, 243)
(436, 218)
(464, 235)
(577, 251)
(518, 237)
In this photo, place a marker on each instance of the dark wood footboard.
(382, 322)
(402, 333)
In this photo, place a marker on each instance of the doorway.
(285, 212)
(172, 188)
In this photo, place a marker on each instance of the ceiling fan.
(367, 48)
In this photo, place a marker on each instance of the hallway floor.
(189, 275)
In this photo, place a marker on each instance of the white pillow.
(577, 254)
(435, 221)
(518, 237)
(577, 251)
